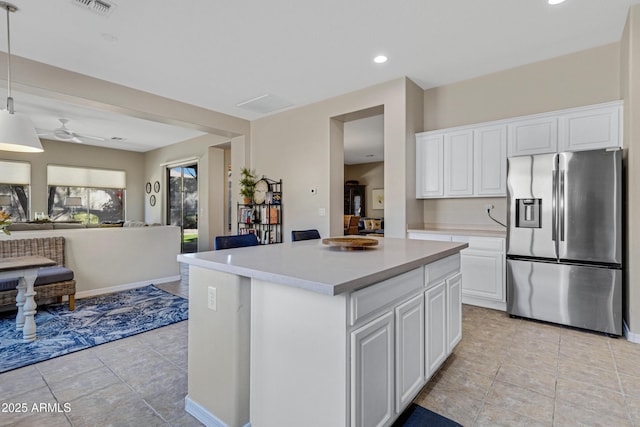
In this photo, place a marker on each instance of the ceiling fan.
(63, 133)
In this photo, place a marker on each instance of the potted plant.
(247, 184)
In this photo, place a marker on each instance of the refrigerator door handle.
(554, 192)
(562, 182)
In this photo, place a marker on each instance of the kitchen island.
(304, 334)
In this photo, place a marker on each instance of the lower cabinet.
(372, 373)
(483, 268)
(396, 347)
(436, 313)
(410, 350)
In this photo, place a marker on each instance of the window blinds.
(15, 173)
(84, 177)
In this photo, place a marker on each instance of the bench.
(56, 281)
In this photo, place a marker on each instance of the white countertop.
(460, 231)
(327, 270)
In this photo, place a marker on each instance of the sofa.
(52, 282)
(371, 226)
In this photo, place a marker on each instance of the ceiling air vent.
(101, 7)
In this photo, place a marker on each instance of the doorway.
(182, 203)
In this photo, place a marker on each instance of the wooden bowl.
(350, 243)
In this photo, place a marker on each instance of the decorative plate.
(350, 242)
(152, 200)
(148, 187)
(156, 186)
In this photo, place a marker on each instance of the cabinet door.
(409, 350)
(458, 163)
(372, 372)
(490, 161)
(590, 129)
(533, 136)
(454, 312)
(483, 274)
(436, 327)
(429, 163)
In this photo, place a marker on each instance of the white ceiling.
(217, 54)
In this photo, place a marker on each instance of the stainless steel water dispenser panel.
(528, 213)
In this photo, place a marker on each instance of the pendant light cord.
(9, 98)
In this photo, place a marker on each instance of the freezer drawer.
(581, 296)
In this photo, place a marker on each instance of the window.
(91, 196)
(15, 182)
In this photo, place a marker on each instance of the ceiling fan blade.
(97, 138)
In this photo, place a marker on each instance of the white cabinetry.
(410, 350)
(436, 315)
(533, 136)
(401, 333)
(482, 266)
(466, 162)
(490, 161)
(470, 161)
(575, 129)
(590, 128)
(372, 374)
(454, 310)
(458, 163)
(430, 161)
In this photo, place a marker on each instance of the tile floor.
(513, 372)
(505, 371)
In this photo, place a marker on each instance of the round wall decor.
(148, 187)
(152, 200)
(156, 186)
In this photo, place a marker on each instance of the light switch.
(322, 212)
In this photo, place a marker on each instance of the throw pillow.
(376, 224)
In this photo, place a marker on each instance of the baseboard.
(203, 415)
(482, 302)
(635, 338)
(126, 287)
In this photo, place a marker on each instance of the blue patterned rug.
(95, 321)
(417, 416)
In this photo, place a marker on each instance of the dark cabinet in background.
(354, 202)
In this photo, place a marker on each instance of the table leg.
(20, 299)
(29, 309)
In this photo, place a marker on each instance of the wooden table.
(26, 269)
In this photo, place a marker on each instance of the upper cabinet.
(490, 160)
(458, 163)
(462, 163)
(471, 161)
(590, 128)
(533, 136)
(430, 162)
(576, 129)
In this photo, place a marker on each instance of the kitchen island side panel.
(299, 361)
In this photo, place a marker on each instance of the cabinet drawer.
(418, 235)
(436, 272)
(481, 243)
(368, 300)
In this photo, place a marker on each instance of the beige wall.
(630, 76)
(70, 154)
(370, 175)
(583, 78)
(301, 147)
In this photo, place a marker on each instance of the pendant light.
(17, 132)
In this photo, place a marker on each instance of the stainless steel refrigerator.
(564, 240)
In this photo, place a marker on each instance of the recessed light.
(555, 1)
(380, 59)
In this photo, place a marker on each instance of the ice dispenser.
(528, 213)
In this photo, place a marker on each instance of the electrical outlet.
(488, 208)
(212, 300)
